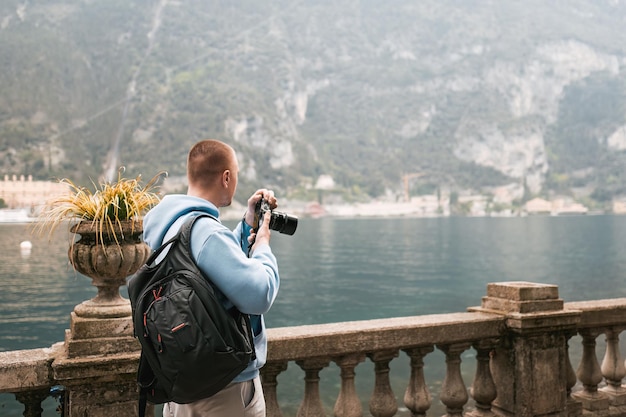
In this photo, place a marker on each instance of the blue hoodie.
(250, 284)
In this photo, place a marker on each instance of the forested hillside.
(471, 95)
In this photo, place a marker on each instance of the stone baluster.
(348, 403)
(417, 398)
(383, 402)
(453, 392)
(269, 380)
(571, 374)
(312, 404)
(590, 375)
(613, 368)
(574, 408)
(483, 389)
(32, 401)
(589, 371)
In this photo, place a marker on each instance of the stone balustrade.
(521, 339)
(602, 387)
(312, 348)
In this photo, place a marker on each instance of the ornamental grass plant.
(106, 207)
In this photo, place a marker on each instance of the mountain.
(470, 96)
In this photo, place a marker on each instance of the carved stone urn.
(108, 258)
(103, 325)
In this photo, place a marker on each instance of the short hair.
(207, 160)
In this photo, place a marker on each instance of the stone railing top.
(336, 339)
(600, 313)
(24, 370)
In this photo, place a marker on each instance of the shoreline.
(387, 210)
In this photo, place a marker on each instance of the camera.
(281, 222)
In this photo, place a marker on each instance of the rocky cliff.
(472, 95)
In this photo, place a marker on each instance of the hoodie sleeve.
(251, 284)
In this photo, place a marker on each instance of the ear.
(226, 178)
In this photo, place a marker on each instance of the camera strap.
(243, 238)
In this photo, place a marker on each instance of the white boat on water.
(16, 216)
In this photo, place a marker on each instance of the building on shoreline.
(557, 207)
(21, 192)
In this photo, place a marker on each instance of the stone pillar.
(530, 364)
(99, 386)
(99, 367)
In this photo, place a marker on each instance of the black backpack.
(192, 347)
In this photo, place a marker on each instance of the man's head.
(212, 171)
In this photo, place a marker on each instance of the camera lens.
(283, 223)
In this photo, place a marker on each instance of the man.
(251, 284)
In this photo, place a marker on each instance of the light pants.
(238, 399)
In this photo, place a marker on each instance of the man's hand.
(268, 195)
(261, 236)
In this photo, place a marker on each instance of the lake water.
(348, 269)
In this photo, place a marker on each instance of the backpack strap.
(145, 380)
(184, 231)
